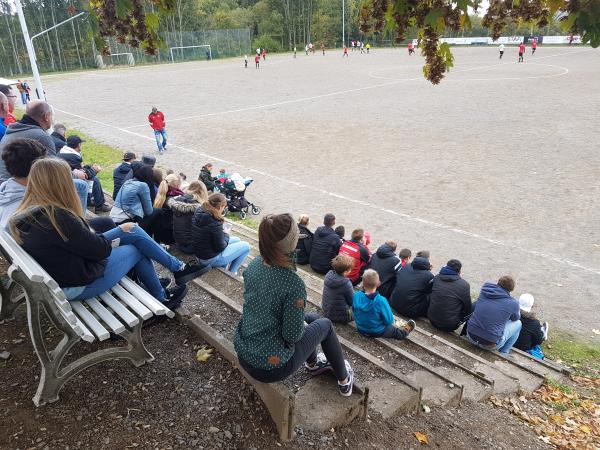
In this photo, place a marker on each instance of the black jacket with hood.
(385, 263)
(413, 286)
(325, 246)
(531, 332)
(207, 234)
(207, 178)
(304, 246)
(120, 175)
(59, 140)
(337, 297)
(183, 208)
(450, 300)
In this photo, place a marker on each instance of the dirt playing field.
(497, 166)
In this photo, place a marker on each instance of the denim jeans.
(82, 192)
(509, 337)
(24, 97)
(97, 192)
(232, 257)
(136, 251)
(318, 331)
(157, 135)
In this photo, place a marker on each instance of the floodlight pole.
(39, 88)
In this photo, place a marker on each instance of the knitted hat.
(526, 302)
(288, 243)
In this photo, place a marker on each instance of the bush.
(266, 41)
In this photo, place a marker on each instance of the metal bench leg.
(8, 304)
(53, 378)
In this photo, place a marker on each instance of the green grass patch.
(562, 387)
(105, 156)
(248, 221)
(583, 357)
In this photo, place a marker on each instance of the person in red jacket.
(356, 250)
(257, 61)
(411, 49)
(157, 122)
(533, 46)
(521, 51)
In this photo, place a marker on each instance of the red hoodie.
(157, 121)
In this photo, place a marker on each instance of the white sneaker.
(346, 389)
(545, 329)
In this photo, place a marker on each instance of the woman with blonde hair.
(50, 225)
(211, 241)
(271, 340)
(168, 189)
(183, 209)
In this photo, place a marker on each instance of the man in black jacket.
(450, 299)
(413, 286)
(122, 172)
(58, 136)
(325, 246)
(386, 263)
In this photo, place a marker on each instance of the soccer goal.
(116, 59)
(191, 52)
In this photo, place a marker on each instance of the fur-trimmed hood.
(184, 204)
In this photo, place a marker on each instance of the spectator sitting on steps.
(50, 226)
(58, 136)
(122, 172)
(207, 178)
(413, 286)
(532, 333)
(355, 248)
(305, 239)
(11, 96)
(183, 208)
(271, 339)
(495, 323)
(386, 263)
(168, 189)
(326, 245)
(3, 114)
(372, 312)
(450, 299)
(338, 291)
(404, 255)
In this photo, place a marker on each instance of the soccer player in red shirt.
(521, 51)
(533, 46)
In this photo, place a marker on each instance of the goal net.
(115, 59)
(191, 53)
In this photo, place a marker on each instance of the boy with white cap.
(532, 332)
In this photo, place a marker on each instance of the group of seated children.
(497, 321)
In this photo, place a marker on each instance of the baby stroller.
(234, 190)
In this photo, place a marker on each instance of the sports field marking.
(345, 91)
(563, 261)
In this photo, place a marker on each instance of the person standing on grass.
(521, 51)
(257, 61)
(157, 122)
(271, 340)
(501, 49)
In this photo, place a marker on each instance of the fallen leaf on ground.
(421, 438)
(204, 354)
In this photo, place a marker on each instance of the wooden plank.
(89, 319)
(150, 302)
(78, 326)
(132, 302)
(119, 309)
(105, 315)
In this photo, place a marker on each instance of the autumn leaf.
(421, 438)
(204, 354)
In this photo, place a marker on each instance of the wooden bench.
(120, 311)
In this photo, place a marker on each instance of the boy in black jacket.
(338, 291)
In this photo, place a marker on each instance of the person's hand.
(127, 227)
(97, 168)
(79, 174)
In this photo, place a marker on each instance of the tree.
(434, 17)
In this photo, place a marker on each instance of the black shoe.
(102, 209)
(189, 272)
(175, 297)
(165, 282)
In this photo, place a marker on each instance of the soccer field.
(497, 166)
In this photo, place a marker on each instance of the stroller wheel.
(243, 215)
(255, 210)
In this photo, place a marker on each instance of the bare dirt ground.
(496, 166)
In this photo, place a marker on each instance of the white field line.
(392, 82)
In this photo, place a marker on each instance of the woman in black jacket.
(304, 246)
(183, 208)
(212, 244)
(206, 177)
(49, 225)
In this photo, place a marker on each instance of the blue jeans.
(232, 257)
(157, 135)
(509, 337)
(136, 251)
(24, 97)
(82, 192)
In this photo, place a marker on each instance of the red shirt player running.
(533, 46)
(521, 51)
(410, 48)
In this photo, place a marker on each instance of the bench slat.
(89, 319)
(132, 302)
(154, 305)
(105, 315)
(78, 326)
(119, 309)
(20, 258)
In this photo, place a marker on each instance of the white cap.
(526, 302)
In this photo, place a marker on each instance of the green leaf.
(432, 17)
(516, 3)
(446, 53)
(122, 8)
(152, 20)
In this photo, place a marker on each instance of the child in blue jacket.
(372, 313)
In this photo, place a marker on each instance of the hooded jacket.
(450, 299)
(385, 263)
(372, 313)
(207, 234)
(59, 141)
(413, 286)
(120, 175)
(361, 256)
(183, 208)
(531, 332)
(304, 246)
(78, 261)
(11, 194)
(337, 297)
(207, 178)
(26, 128)
(325, 247)
(492, 310)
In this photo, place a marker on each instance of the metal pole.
(343, 23)
(39, 88)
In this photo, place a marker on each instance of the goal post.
(128, 56)
(181, 49)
